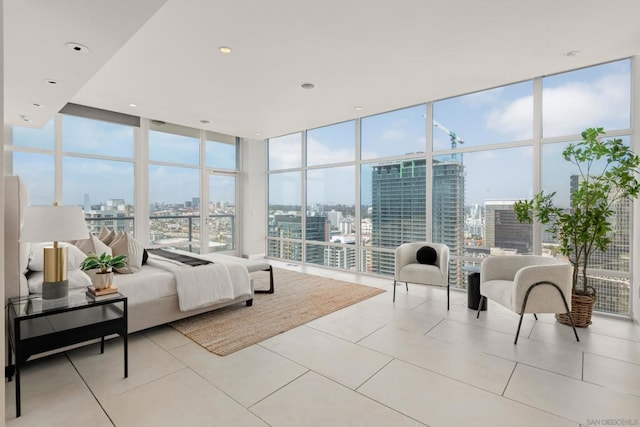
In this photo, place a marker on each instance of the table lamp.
(52, 224)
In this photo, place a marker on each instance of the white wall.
(635, 138)
(2, 326)
(253, 232)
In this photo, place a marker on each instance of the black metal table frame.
(27, 347)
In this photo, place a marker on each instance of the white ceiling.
(163, 55)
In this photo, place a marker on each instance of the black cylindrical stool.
(473, 292)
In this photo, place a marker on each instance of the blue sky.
(596, 96)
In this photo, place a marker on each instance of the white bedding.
(148, 284)
(207, 284)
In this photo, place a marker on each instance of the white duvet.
(206, 284)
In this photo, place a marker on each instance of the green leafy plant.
(104, 262)
(607, 171)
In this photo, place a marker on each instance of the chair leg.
(482, 298)
(447, 297)
(564, 300)
(394, 291)
(519, 324)
(406, 285)
(534, 315)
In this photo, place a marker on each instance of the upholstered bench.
(252, 266)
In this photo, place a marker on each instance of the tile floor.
(372, 364)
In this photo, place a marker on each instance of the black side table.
(473, 292)
(37, 325)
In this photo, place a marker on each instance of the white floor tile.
(603, 345)
(611, 373)
(481, 370)
(104, 373)
(166, 337)
(180, 399)
(248, 375)
(342, 361)
(347, 325)
(313, 400)
(436, 400)
(555, 358)
(573, 399)
(69, 405)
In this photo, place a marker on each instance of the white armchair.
(527, 284)
(408, 269)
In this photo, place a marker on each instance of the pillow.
(77, 279)
(36, 256)
(93, 245)
(427, 255)
(124, 244)
(106, 235)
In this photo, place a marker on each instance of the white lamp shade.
(53, 223)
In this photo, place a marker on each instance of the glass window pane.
(473, 210)
(34, 138)
(285, 214)
(285, 249)
(104, 188)
(331, 144)
(174, 220)
(492, 116)
(394, 133)
(285, 152)
(331, 204)
(37, 171)
(173, 145)
(87, 136)
(336, 256)
(592, 97)
(221, 155)
(222, 212)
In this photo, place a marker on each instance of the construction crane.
(455, 139)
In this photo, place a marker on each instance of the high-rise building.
(398, 209)
(613, 292)
(448, 212)
(503, 230)
(289, 227)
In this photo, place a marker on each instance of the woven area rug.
(298, 299)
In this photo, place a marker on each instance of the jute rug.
(298, 299)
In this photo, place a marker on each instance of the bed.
(152, 292)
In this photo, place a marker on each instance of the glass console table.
(37, 326)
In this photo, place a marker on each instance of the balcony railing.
(180, 231)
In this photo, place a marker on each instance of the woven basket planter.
(581, 310)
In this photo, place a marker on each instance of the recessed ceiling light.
(35, 104)
(307, 85)
(133, 105)
(77, 47)
(52, 82)
(205, 122)
(571, 53)
(225, 49)
(358, 108)
(258, 134)
(24, 118)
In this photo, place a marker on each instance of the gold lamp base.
(55, 284)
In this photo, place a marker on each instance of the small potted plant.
(100, 268)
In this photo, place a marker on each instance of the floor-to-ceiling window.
(486, 150)
(93, 163)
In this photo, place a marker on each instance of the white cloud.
(320, 154)
(568, 108)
